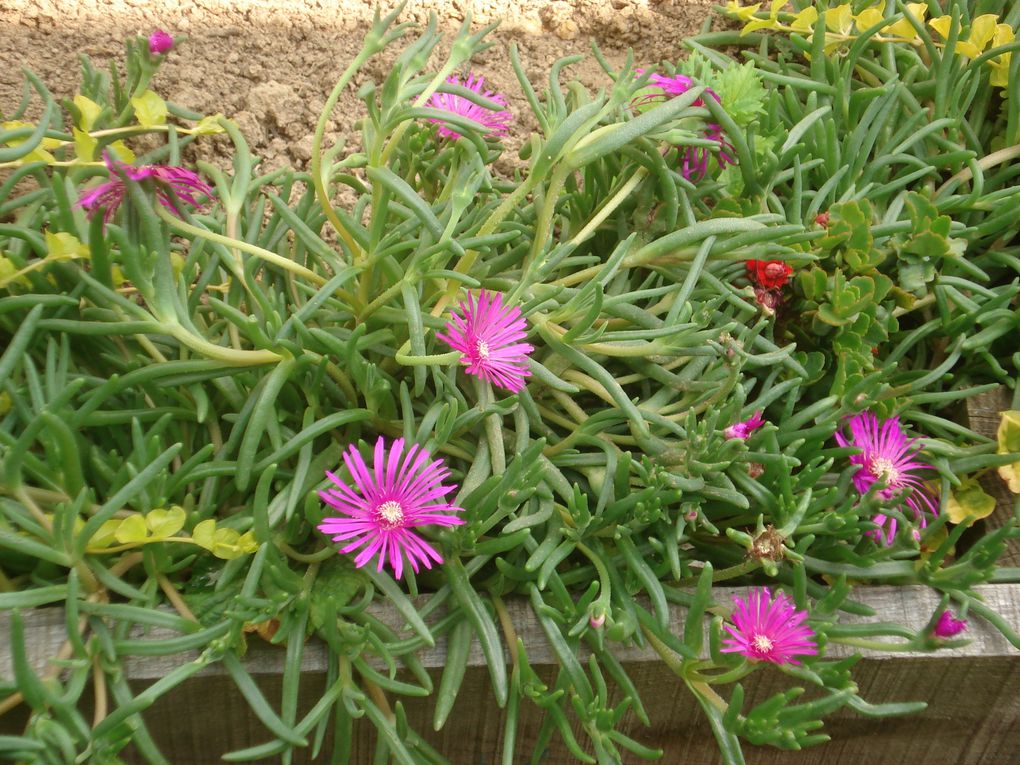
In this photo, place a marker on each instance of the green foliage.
(174, 387)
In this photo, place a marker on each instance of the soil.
(270, 64)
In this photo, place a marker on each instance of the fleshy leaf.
(107, 534)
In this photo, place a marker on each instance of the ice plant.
(743, 430)
(767, 629)
(769, 274)
(694, 165)
(887, 457)
(670, 86)
(160, 42)
(694, 162)
(949, 626)
(495, 121)
(172, 184)
(402, 491)
(488, 336)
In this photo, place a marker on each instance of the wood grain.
(973, 715)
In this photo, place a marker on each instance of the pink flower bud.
(948, 625)
(160, 42)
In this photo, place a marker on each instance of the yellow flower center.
(883, 468)
(483, 350)
(392, 513)
(762, 643)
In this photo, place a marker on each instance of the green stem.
(609, 206)
(270, 257)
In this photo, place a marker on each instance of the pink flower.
(403, 491)
(671, 86)
(949, 626)
(768, 630)
(694, 164)
(487, 334)
(743, 430)
(160, 42)
(183, 185)
(495, 122)
(887, 456)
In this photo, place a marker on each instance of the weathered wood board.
(973, 692)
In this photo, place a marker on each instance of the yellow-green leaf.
(209, 125)
(89, 111)
(132, 529)
(867, 18)
(106, 535)
(903, 28)
(150, 109)
(84, 145)
(839, 19)
(742, 12)
(805, 20)
(203, 533)
(942, 25)
(1011, 475)
(64, 246)
(225, 544)
(969, 503)
(165, 523)
(247, 542)
(119, 151)
(1008, 433)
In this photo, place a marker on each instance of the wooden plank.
(973, 716)
(983, 414)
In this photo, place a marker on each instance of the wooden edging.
(910, 606)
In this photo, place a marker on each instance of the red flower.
(822, 219)
(769, 274)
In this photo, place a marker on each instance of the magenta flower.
(488, 335)
(949, 626)
(496, 122)
(768, 630)
(743, 430)
(671, 86)
(694, 164)
(172, 184)
(887, 456)
(403, 491)
(160, 42)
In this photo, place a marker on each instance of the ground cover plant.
(714, 332)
